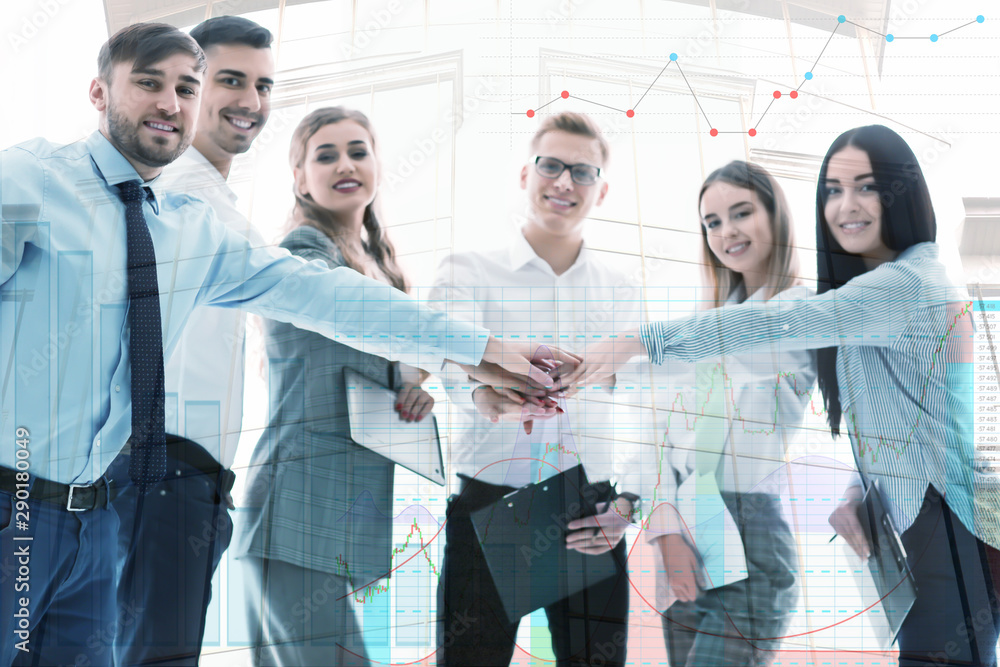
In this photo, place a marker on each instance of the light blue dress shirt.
(904, 368)
(64, 352)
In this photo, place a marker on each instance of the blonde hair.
(783, 264)
(572, 123)
(307, 212)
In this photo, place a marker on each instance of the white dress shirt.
(516, 294)
(767, 392)
(765, 395)
(204, 374)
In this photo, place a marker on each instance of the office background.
(448, 83)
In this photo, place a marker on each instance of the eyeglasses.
(582, 174)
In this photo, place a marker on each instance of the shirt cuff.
(465, 343)
(651, 336)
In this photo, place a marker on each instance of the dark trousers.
(56, 583)
(169, 547)
(589, 628)
(955, 619)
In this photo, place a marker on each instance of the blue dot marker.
(842, 19)
(809, 76)
(889, 37)
(934, 38)
(980, 18)
(673, 56)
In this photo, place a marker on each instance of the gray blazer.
(315, 498)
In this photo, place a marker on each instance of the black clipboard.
(523, 536)
(887, 568)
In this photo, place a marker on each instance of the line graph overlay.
(777, 94)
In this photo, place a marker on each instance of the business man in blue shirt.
(86, 311)
(169, 557)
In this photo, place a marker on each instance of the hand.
(845, 521)
(505, 383)
(413, 403)
(682, 565)
(497, 407)
(516, 358)
(603, 360)
(227, 498)
(602, 531)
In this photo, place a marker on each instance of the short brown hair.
(572, 123)
(144, 44)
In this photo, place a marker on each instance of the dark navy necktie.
(149, 452)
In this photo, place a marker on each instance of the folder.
(523, 536)
(886, 577)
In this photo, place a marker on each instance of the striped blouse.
(904, 370)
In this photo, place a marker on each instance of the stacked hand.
(509, 395)
(516, 358)
(603, 360)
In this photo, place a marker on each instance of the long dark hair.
(783, 266)
(308, 212)
(907, 219)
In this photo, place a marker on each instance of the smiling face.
(236, 100)
(737, 228)
(853, 208)
(558, 204)
(339, 170)
(150, 115)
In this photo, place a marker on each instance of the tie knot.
(130, 191)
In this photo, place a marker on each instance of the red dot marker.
(777, 94)
(565, 94)
(630, 113)
(794, 94)
(752, 132)
(531, 113)
(714, 132)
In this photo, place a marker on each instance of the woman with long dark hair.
(896, 367)
(319, 515)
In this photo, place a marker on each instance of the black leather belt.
(71, 497)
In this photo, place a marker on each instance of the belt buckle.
(69, 499)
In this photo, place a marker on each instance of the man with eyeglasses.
(549, 287)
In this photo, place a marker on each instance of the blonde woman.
(320, 506)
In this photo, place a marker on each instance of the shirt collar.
(522, 254)
(925, 249)
(115, 168)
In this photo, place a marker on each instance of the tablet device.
(376, 425)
